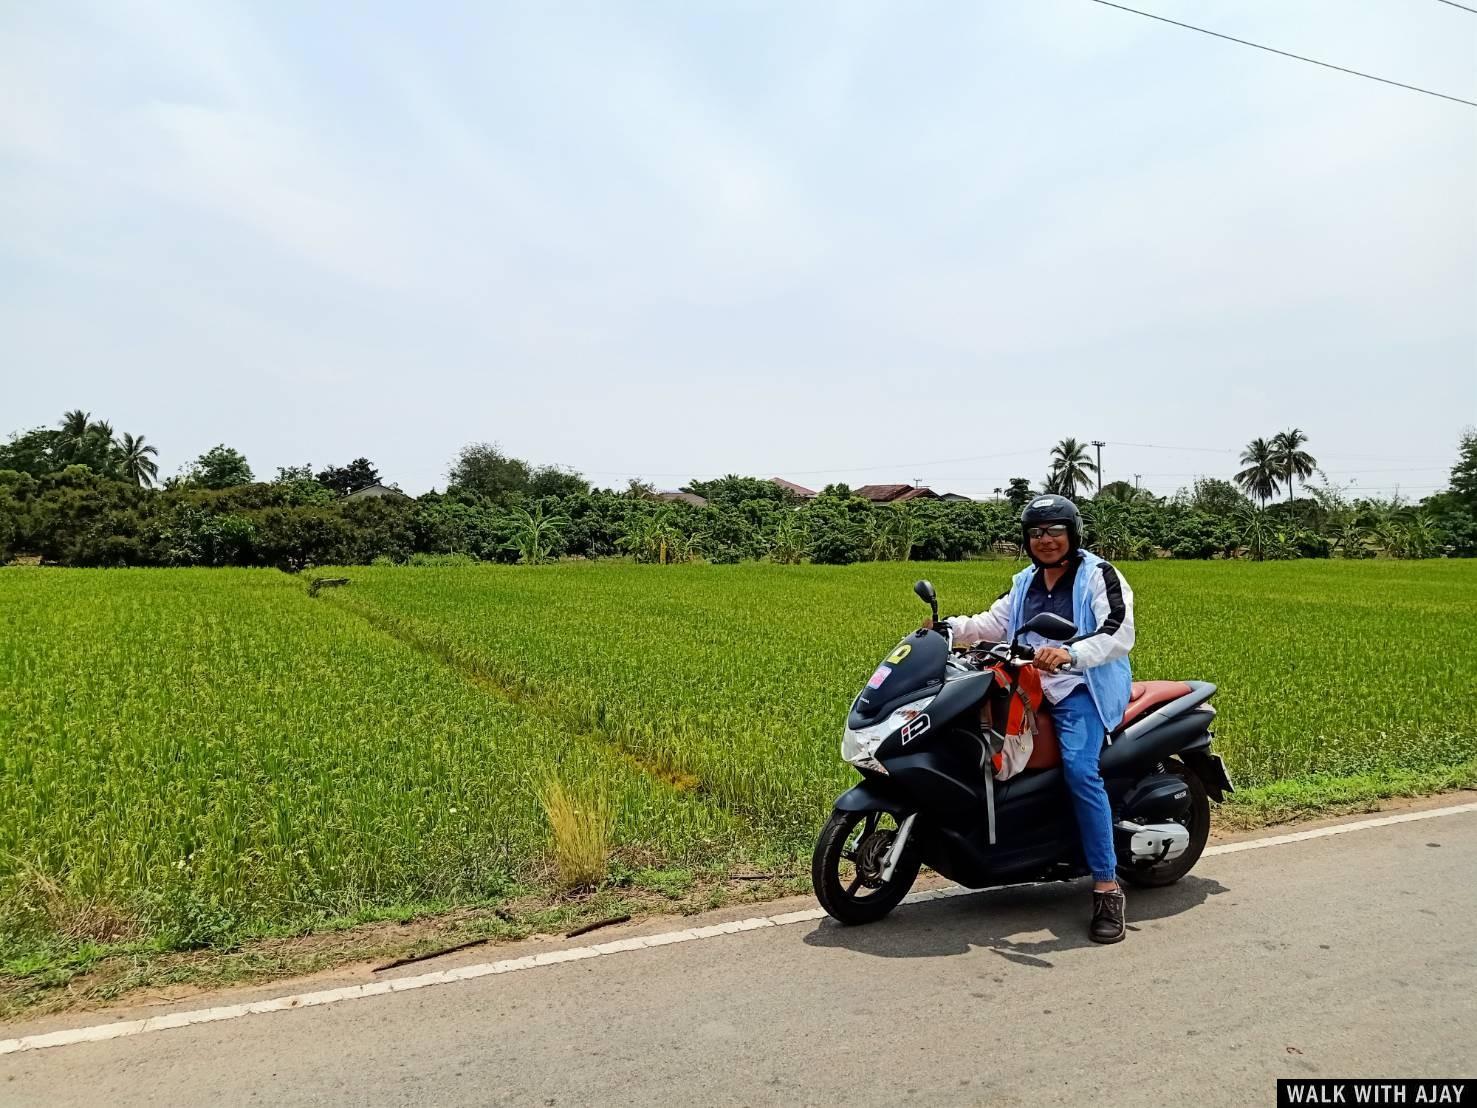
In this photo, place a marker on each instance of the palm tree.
(1111, 529)
(534, 534)
(82, 441)
(74, 427)
(1123, 491)
(1291, 461)
(1261, 477)
(75, 423)
(892, 538)
(657, 536)
(1350, 537)
(790, 541)
(1256, 533)
(135, 462)
(1070, 467)
(1421, 536)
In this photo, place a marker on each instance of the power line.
(1464, 7)
(935, 477)
(1158, 446)
(834, 469)
(1445, 462)
(1232, 450)
(1326, 472)
(1037, 451)
(1285, 54)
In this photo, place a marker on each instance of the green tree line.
(79, 495)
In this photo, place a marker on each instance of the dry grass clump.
(38, 902)
(581, 821)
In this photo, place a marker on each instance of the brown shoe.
(1107, 917)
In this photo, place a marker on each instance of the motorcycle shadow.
(1008, 921)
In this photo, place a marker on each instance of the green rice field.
(195, 756)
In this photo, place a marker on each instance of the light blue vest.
(1110, 683)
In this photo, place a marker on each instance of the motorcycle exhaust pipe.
(1152, 843)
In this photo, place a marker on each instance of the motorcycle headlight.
(859, 747)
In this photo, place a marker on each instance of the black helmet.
(1051, 508)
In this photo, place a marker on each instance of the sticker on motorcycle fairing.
(900, 653)
(875, 681)
(914, 727)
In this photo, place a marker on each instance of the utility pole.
(1099, 443)
(1136, 477)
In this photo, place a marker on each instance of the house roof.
(799, 490)
(685, 497)
(376, 489)
(891, 494)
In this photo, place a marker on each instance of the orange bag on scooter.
(1020, 722)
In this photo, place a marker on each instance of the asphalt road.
(1344, 956)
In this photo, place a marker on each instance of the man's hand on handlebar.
(1052, 658)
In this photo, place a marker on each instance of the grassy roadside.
(103, 975)
(1319, 796)
(100, 975)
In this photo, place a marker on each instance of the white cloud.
(273, 179)
(572, 228)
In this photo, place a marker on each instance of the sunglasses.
(1055, 530)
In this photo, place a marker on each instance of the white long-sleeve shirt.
(1112, 606)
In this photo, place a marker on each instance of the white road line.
(99, 1032)
(1337, 829)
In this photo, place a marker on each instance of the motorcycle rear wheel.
(846, 868)
(1197, 822)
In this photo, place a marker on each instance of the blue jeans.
(1079, 730)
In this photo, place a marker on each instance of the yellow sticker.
(900, 653)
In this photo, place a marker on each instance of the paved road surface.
(1349, 955)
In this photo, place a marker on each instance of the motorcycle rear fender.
(1187, 737)
(1127, 756)
(1210, 769)
(872, 795)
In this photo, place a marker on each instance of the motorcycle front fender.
(872, 795)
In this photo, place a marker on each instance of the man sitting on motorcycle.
(1086, 680)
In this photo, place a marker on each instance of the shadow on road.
(1008, 921)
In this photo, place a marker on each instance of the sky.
(859, 241)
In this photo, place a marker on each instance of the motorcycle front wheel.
(846, 868)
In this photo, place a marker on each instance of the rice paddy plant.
(198, 755)
(739, 676)
(210, 753)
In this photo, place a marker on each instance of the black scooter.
(923, 734)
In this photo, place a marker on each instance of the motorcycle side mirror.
(1049, 625)
(925, 592)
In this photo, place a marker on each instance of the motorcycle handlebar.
(1016, 653)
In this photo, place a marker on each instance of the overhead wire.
(901, 467)
(1287, 54)
(832, 469)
